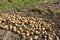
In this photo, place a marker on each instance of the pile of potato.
(29, 28)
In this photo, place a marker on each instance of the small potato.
(30, 38)
(14, 29)
(1, 18)
(35, 37)
(18, 32)
(43, 28)
(11, 27)
(6, 27)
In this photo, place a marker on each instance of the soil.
(51, 11)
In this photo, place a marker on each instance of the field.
(11, 4)
(29, 20)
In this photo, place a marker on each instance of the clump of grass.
(8, 4)
(38, 10)
(56, 13)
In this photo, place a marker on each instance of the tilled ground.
(29, 24)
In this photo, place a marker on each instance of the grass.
(10, 4)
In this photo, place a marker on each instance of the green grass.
(10, 4)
